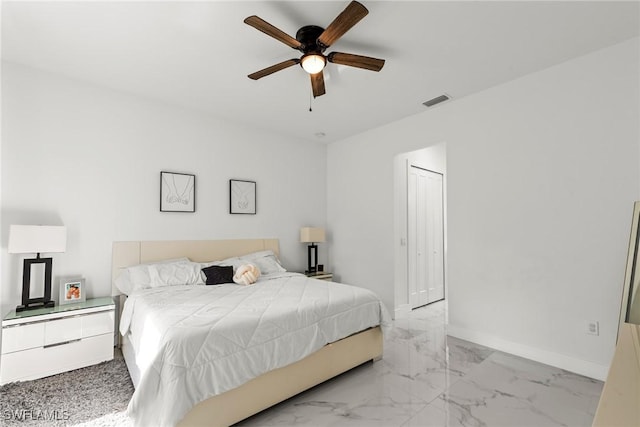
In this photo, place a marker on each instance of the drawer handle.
(60, 343)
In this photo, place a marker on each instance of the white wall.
(90, 158)
(542, 173)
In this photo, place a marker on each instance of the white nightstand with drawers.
(321, 275)
(47, 341)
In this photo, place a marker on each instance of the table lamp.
(312, 235)
(28, 239)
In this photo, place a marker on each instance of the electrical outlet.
(593, 327)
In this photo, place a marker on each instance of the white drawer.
(62, 330)
(16, 338)
(41, 362)
(98, 324)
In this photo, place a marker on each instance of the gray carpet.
(93, 396)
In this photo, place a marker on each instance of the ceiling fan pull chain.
(310, 102)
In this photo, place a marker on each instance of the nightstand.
(47, 341)
(321, 275)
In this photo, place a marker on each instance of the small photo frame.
(242, 197)
(177, 192)
(72, 290)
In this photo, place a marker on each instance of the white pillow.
(138, 276)
(266, 261)
(173, 274)
(123, 282)
(233, 261)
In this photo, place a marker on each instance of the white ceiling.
(198, 54)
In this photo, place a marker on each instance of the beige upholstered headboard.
(126, 254)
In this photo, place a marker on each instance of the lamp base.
(312, 258)
(35, 305)
(41, 302)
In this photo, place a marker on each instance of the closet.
(425, 237)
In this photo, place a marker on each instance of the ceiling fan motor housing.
(308, 36)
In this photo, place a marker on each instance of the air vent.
(436, 100)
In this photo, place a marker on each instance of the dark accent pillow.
(218, 274)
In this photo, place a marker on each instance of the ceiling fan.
(312, 41)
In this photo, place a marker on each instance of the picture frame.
(72, 290)
(242, 197)
(177, 192)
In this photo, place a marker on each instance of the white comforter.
(194, 342)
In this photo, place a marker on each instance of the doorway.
(425, 236)
(432, 159)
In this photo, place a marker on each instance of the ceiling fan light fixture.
(313, 63)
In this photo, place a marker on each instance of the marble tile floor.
(429, 379)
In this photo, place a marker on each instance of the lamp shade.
(26, 239)
(311, 235)
(313, 63)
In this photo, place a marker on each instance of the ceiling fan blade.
(343, 23)
(270, 70)
(262, 25)
(317, 83)
(359, 61)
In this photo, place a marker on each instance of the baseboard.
(568, 363)
(401, 311)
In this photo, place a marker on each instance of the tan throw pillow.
(246, 274)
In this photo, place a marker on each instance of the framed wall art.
(177, 192)
(242, 197)
(72, 290)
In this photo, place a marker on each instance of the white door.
(425, 239)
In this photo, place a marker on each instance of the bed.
(254, 367)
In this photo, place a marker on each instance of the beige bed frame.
(274, 386)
